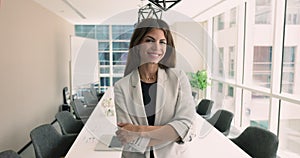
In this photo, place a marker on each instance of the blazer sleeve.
(184, 110)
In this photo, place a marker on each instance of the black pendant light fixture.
(148, 11)
(165, 4)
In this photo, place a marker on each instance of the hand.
(127, 133)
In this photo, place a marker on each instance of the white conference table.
(209, 142)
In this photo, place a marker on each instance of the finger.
(121, 124)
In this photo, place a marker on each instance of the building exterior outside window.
(263, 11)
(260, 69)
(232, 17)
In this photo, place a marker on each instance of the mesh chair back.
(48, 143)
(89, 98)
(67, 123)
(221, 120)
(9, 154)
(44, 139)
(204, 107)
(81, 111)
(258, 142)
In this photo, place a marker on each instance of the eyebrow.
(154, 38)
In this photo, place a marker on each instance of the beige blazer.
(174, 106)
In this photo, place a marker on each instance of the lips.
(154, 54)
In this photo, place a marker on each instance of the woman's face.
(153, 46)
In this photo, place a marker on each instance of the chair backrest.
(204, 107)
(66, 95)
(221, 120)
(258, 142)
(89, 98)
(45, 139)
(9, 154)
(67, 123)
(48, 143)
(81, 111)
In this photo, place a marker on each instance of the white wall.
(34, 56)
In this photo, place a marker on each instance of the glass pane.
(289, 130)
(263, 11)
(104, 70)
(288, 70)
(262, 64)
(119, 58)
(219, 22)
(223, 99)
(120, 46)
(232, 62)
(255, 110)
(221, 61)
(118, 69)
(103, 58)
(103, 46)
(293, 12)
(232, 17)
(122, 32)
(290, 79)
(102, 32)
(104, 81)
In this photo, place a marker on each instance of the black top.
(149, 97)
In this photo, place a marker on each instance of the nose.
(156, 45)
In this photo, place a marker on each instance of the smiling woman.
(153, 101)
(153, 47)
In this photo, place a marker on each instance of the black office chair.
(257, 142)
(67, 123)
(9, 154)
(96, 93)
(221, 120)
(89, 98)
(66, 95)
(48, 143)
(204, 108)
(82, 112)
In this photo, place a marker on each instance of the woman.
(154, 105)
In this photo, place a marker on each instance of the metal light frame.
(163, 3)
(148, 11)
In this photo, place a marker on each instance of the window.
(263, 11)
(221, 59)
(293, 12)
(113, 44)
(102, 32)
(262, 64)
(288, 70)
(232, 17)
(230, 91)
(220, 87)
(231, 62)
(219, 22)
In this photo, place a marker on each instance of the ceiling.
(97, 11)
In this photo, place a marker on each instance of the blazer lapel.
(160, 99)
(137, 108)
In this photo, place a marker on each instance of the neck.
(148, 72)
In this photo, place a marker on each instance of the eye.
(149, 40)
(163, 42)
